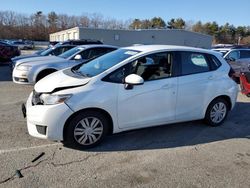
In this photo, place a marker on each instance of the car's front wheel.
(86, 130)
(217, 112)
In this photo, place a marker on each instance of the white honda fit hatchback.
(131, 88)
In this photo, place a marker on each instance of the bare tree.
(96, 20)
(84, 21)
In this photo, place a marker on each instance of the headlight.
(48, 99)
(23, 67)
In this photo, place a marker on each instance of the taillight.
(233, 76)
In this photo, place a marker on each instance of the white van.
(131, 88)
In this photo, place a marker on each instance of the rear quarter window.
(214, 62)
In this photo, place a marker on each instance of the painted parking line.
(27, 148)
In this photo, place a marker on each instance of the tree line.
(226, 33)
(38, 26)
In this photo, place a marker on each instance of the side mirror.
(78, 57)
(133, 79)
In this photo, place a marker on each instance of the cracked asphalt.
(179, 155)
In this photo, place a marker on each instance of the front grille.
(21, 79)
(36, 98)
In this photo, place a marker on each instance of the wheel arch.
(104, 112)
(226, 98)
(44, 70)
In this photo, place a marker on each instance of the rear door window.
(192, 63)
(245, 54)
(95, 52)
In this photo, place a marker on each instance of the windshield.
(47, 52)
(58, 44)
(70, 52)
(105, 62)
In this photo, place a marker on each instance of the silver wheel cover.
(218, 112)
(88, 131)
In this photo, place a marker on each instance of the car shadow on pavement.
(5, 72)
(237, 125)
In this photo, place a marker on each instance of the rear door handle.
(210, 77)
(167, 86)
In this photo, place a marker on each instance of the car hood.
(24, 56)
(36, 60)
(60, 80)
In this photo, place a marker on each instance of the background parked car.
(8, 51)
(235, 56)
(79, 42)
(20, 44)
(49, 51)
(31, 70)
(29, 44)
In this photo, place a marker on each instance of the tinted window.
(245, 54)
(192, 62)
(214, 62)
(95, 52)
(56, 51)
(60, 50)
(85, 53)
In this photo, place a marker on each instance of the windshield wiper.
(77, 67)
(84, 75)
(76, 71)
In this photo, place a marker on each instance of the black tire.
(44, 74)
(74, 133)
(213, 119)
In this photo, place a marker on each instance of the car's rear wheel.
(217, 112)
(86, 129)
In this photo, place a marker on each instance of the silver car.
(31, 70)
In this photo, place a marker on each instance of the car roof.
(95, 46)
(222, 49)
(87, 41)
(149, 48)
(65, 45)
